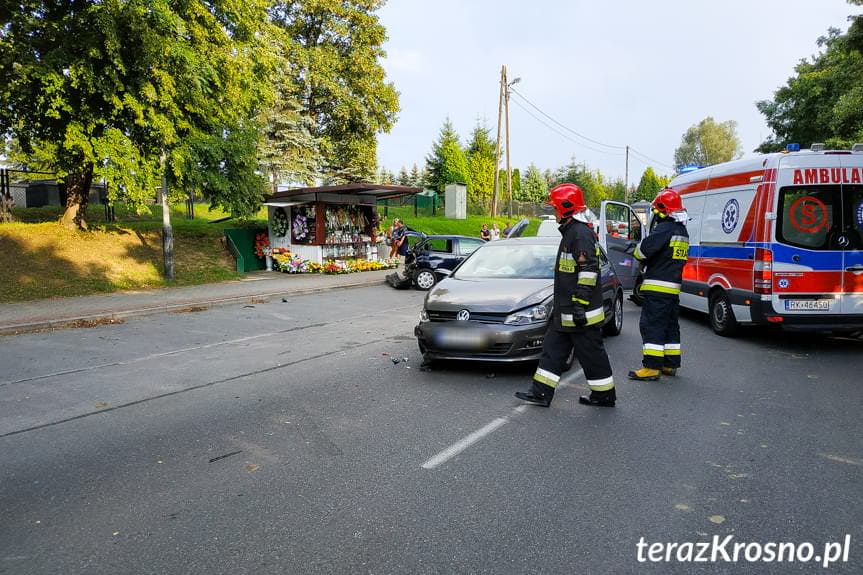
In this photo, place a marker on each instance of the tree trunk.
(77, 197)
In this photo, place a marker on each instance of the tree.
(404, 178)
(287, 151)
(480, 159)
(416, 177)
(111, 89)
(436, 177)
(708, 142)
(823, 102)
(454, 168)
(335, 72)
(649, 185)
(534, 188)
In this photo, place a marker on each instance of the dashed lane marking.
(471, 439)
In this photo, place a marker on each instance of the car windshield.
(530, 261)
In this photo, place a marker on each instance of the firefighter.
(576, 325)
(662, 254)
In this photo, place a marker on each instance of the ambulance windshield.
(828, 217)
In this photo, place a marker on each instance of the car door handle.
(855, 269)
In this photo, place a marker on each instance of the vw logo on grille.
(463, 315)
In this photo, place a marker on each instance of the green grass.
(439, 224)
(41, 260)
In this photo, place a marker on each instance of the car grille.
(474, 316)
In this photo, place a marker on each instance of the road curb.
(193, 305)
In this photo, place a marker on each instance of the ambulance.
(774, 239)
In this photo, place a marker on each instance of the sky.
(632, 72)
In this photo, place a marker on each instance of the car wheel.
(424, 279)
(615, 326)
(722, 318)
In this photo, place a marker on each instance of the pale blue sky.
(620, 72)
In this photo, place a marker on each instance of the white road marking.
(467, 441)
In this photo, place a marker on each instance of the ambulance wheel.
(424, 278)
(722, 318)
(615, 325)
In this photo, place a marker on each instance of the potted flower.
(263, 249)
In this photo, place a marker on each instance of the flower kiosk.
(329, 228)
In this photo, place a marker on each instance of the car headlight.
(536, 314)
(424, 315)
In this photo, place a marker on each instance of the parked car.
(548, 227)
(495, 306)
(429, 256)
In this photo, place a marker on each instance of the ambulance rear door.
(808, 265)
(850, 238)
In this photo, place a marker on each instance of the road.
(282, 438)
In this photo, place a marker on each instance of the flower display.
(285, 261)
(262, 245)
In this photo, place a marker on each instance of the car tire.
(615, 326)
(424, 279)
(722, 318)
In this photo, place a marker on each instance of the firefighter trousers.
(660, 331)
(586, 344)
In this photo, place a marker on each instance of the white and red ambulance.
(774, 239)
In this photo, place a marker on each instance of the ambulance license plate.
(807, 304)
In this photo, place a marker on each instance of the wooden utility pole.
(626, 179)
(167, 230)
(508, 168)
(497, 148)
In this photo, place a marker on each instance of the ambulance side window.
(806, 216)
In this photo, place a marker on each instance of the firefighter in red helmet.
(578, 313)
(663, 255)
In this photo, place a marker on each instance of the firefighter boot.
(671, 371)
(645, 374)
(599, 398)
(533, 398)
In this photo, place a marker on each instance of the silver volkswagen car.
(495, 306)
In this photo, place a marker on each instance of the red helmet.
(667, 201)
(567, 200)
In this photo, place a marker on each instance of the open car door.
(518, 229)
(620, 230)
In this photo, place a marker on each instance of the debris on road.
(225, 456)
(252, 467)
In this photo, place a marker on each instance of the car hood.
(488, 295)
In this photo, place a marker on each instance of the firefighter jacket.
(663, 254)
(577, 279)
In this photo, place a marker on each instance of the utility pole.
(497, 148)
(508, 167)
(167, 230)
(626, 179)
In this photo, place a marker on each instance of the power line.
(647, 158)
(558, 132)
(567, 128)
(644, 157)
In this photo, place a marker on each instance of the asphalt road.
(282, 438)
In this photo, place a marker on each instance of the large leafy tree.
(333, 64)
(480, 161)
(126, 90)
(823, 101)
(708, 142)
